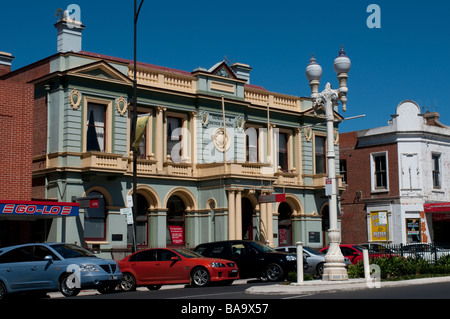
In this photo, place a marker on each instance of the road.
(233, 302)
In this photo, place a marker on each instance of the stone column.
(231, 215)
(238, 212)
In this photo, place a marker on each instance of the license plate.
(112, 277)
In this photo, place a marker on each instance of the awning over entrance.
(436, 207)
(38, 208)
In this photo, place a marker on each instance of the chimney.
(242, 71)
(69, 34)
(5, 62)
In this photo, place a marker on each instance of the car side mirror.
(174, 258)
(49, 258)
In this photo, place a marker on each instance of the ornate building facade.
(213, 144)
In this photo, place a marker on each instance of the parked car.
(315, 259)
(55, 266)
(353, 252)
(379, 249)
(424, 251)
(254, 260)
(161, 266)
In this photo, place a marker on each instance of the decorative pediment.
(100, 70)
(222, 69)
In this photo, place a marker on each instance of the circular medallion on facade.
(221, 141)
(121, 105)
(75, 99)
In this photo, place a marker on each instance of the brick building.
(397, 180)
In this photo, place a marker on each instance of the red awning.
(436, 207)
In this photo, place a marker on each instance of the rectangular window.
(320, 154)
(343, 170)
(251, 142)
(379, 170)
(173, 137)
(435, 162)
(96, 119)
(95, 220)
(283, 151)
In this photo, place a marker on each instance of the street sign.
(328, 187)
(272, 198)
(129, 213)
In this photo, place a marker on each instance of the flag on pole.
(141, 123)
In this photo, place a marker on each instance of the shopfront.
(30, 221)
(440, 218)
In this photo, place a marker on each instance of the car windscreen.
(71, 251)
(188, 253)
(261, 248)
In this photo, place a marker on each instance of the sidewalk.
(313, 286)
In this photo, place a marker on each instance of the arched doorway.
(141, 221)
(284, 224)
(325, 224)
(247, 219)
(176, 210)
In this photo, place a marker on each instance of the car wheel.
(128, 283)
(154, 287)
(274, 272)
(319, 270)
(68, 285)
(200, 277)
(3, 291)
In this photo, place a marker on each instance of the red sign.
(436, 207)
(176, 233)
(272, 198)
(30, 208)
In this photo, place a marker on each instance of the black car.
(254, 260)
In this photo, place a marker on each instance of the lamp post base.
(334, 272)
(334, 268)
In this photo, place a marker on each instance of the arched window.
(247, 219)
(175, 221)
(284, 224)
(141, 223)
(95, 219)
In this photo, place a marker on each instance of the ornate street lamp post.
(334, 260)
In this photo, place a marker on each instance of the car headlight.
(291, 257)
(217, 265)
(89, 267)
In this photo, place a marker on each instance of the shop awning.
(38, 208)
(436, 207)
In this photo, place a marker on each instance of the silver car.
(315, 259)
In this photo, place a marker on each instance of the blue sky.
(407, 58)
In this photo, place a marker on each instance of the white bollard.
(299, 262)
(366, 264)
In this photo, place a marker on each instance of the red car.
(352, 252)
(355, 253)
(162, 266)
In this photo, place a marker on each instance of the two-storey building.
(397, 180)
(212, 145)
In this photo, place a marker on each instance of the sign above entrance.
(272, 198)
(436, 207)
(32, 208)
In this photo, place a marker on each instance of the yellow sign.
(379, 230)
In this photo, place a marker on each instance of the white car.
(315, 259)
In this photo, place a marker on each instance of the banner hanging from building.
(37, 208)
(141, 123)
